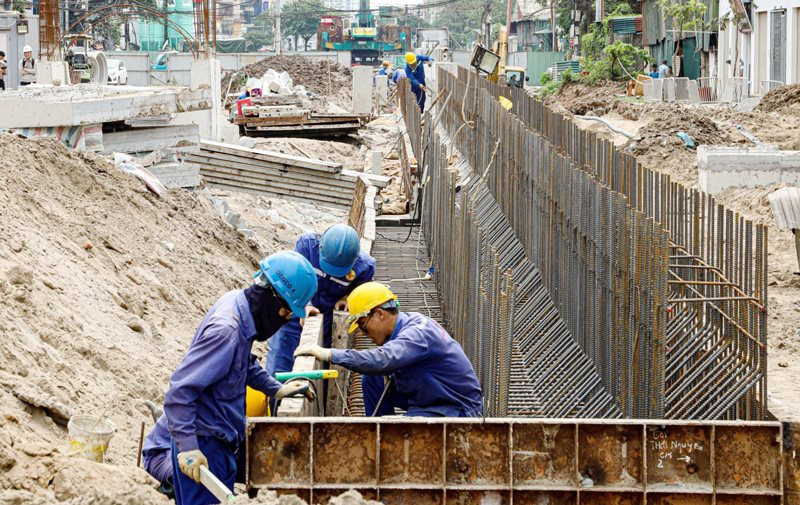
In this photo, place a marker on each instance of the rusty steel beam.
(472, 461)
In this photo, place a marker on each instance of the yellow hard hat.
(411, 58)
(365, 298)
(385, 63)
(255, 403)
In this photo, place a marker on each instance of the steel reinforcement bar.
(603, 265)
(520, 461)
(496, 306)
(717, 326)
(707, 329)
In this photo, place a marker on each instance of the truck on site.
(367, 42)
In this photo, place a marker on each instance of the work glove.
(295, 388)
(322, 354)
(190, 463)
(342, 304)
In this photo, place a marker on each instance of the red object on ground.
(241, 103)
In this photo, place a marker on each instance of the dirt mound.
(663, 132)
(785, 97)
(102, 285)
(326, 78)
(580, 99)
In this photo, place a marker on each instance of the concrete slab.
(150, 139)
(362, 90)
(38, 106)
(720, 168)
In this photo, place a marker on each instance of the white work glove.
(342, 304)
(190, 463)
(318, 352)
(295, 387)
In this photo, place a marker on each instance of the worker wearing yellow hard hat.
(384, 71)
(427, 372)
(416, 76)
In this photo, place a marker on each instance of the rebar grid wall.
(717, 314)
(496, 306)
(712, 362)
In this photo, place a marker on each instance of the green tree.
(261, 33)
(464, 20)
(686, 16)
(300, 18)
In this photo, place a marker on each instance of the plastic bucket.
(89, 438)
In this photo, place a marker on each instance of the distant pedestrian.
(663, 70)
(27, 67)
(653, 71)
(3, 71)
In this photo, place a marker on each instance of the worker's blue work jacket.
(429, 368)
(417, 75)
(329, 291)
(206, 393)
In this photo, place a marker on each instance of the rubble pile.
(323, 78)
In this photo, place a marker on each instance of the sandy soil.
(661, 150)
(102, 285)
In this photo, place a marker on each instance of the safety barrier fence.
(676, 327)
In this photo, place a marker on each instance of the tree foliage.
(686, 15)
(300, 18)
(261, 33)
(463, 19)
(603, 61)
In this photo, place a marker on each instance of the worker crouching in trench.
(418, 367)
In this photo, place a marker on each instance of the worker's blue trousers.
(284, 342)
(372, 387)
(221, 462)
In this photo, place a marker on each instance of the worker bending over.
(416, 74)
(430, 374)
(340, 267)
(384, 71)
(205, 403)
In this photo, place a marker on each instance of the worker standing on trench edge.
(416, 74)
(205, 403)
(340, 267)
(430, 376)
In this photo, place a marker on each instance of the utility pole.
(276, 6)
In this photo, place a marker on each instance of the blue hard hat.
(292, 277)
(338, 250)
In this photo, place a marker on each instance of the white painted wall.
(755, 48)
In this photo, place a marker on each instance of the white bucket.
(89, 437)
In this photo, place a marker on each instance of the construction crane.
(365, 40)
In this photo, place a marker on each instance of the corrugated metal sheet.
(785, 205)
(539, 62)
(624, 25)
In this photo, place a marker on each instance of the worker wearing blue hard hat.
(205, 403)
(415, 72)
(430, 374)
(340, 267)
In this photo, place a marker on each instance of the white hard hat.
(27, 49)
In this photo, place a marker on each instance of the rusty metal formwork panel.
(522, 461)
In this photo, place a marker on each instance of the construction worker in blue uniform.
(429, 374)
(416, 74)
(340, 267)
(384, 71)
(205, 403)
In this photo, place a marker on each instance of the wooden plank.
(275, 157)
(277, 189)
(269, 194)
(252, 120)
(312, 189)
(380, 181)
(306, 172)
(300, 175)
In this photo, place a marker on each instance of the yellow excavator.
(512, 76)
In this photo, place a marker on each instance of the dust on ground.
(322, 77)
(776, 121)
(102, 286)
